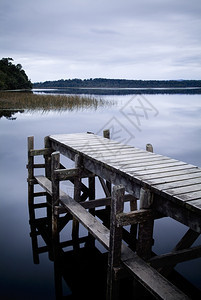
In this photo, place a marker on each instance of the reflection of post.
(114, 256)
(77, 194)
(33, 232)
(145, 234)
(55, 165)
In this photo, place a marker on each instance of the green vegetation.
(117, 83)
(15, 101)
(12, 76)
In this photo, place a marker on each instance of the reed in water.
(30, 101)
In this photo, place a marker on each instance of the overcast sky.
(133, 39)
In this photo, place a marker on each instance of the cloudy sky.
(133, 39)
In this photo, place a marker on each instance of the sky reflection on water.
(174, 132)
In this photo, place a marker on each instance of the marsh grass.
(31, 102)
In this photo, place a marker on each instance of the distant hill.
(117, 83)
(12, 76)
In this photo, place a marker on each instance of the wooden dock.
(163, 187)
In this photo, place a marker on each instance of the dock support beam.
(30, 168)
(55, 165)
(77, 198)
(114, 256)
(47, 158)
(145, 234)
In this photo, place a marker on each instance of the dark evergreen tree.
(12, 76)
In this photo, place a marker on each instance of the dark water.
(171, 123)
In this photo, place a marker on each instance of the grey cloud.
(115, 33)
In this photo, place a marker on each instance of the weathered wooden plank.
(93, 144)
(162, 167)
(135, 157)
(155, 166)
(141, 162)
(105, 150)
(183, 190)
(193, 204)
(166, 174)
(189, 196)
(84, 217)
(126, 156)
(179, 166)
(112, 154)
(188, 176)
(177, 184)
(87, 220)
(149, 278)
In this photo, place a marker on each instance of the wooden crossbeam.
(65, 174)
(104, 186)
(137, 216)
(44, 151)
(176, 257)
(187, 240)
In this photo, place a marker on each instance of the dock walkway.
(164, 187)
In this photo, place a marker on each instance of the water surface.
(171, 123)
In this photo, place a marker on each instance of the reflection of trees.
(9, 114)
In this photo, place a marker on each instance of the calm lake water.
(171, 123)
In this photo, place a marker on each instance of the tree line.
(117, 83)
(12, 76)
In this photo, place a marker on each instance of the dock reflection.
(79, 268)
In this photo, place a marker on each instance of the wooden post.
(133, 228)
(47, 159)
(55, 165)
(149, 148)
(33, 232)
(91, 181)
(145, 234)
(114, 255)
(77, 198)
(30, 167)
(106, 134)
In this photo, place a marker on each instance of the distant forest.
(12, 76)
(117, 83)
